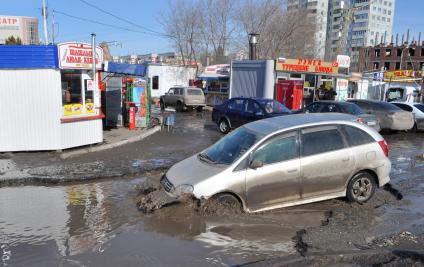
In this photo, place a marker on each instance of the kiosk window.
(71, 88)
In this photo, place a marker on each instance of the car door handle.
(292, 170)
(345, 159)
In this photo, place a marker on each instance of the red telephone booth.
(290, 93)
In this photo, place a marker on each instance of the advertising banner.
(78, 56)
(341, 89)
(306, 66)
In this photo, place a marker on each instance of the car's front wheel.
(162, 105)
(224, 126)
(180, 107)
(361, 187)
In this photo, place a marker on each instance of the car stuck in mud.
(285, 161)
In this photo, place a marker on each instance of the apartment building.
(318, 9)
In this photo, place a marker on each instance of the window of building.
(384, 11)
(397, 65)
(388, 19)
(422, 52)
(387, 65)
(388, 52)
(155, 82)
(389, 12)
(377, 52)
(409, 66)
(411, 52)
(73, 82)
(399, 52)
(376, 66)
(383, 18)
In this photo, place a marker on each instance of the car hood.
(192, 170)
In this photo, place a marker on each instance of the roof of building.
(28, 57)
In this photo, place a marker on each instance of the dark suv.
(238, 111)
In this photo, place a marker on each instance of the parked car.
(417, 109)
(343, 107)
(285, 161)
(390, 116)
(240, 110)
(183, 97)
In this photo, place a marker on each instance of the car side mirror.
(254, 164)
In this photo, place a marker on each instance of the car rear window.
(352, 108)
(321, 141)
(386, 106)
(194, 92)
(356, 137)
(420, 107)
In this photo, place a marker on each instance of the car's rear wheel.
(361, 187)
(180, 106)
(224, 126)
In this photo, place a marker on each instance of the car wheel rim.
(362, 189)
(223, 126)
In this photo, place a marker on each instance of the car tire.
(199, 109)
(180, 107)
(361, 187)
(414, 129)
(227, 202)
(162, 105)
(224, 126)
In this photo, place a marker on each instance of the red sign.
(10, 21)
(306, 65)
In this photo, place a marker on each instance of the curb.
(82, 151)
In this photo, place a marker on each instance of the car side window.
(313, 108)
(330, 108)
(277, 150)
(171, 91)
(236, 105)
(179, 91)
(356, 137)
(321, 140)
(252, 107)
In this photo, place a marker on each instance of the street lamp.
(253, 40)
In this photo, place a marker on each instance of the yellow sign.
(306, 66)
(402, 74)
(76, 109)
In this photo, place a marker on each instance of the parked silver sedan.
(285, 161)
(390, 116)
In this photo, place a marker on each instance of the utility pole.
(53, 27)
(44, 13)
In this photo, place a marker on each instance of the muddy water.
(96, 224)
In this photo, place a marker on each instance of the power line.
(122, 19)
(102, 23)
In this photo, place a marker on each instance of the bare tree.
(282, 33)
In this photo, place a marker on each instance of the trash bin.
(169, 117)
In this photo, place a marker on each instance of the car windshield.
(420, 107)
(273, 106)
(352, 109)
(231, 147)
(194, 92)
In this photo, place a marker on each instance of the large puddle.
(98, 224)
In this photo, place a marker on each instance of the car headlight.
(184, 189)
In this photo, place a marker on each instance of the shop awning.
(124, 68)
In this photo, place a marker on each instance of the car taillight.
(385, 147)
(360, 120)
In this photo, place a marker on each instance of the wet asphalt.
(97, 223)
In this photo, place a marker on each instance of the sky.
(148, 14)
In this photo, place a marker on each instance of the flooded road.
(98, 224)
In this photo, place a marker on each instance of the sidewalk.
(113, 138)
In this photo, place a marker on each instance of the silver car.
(285, 161)
(390, 116)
